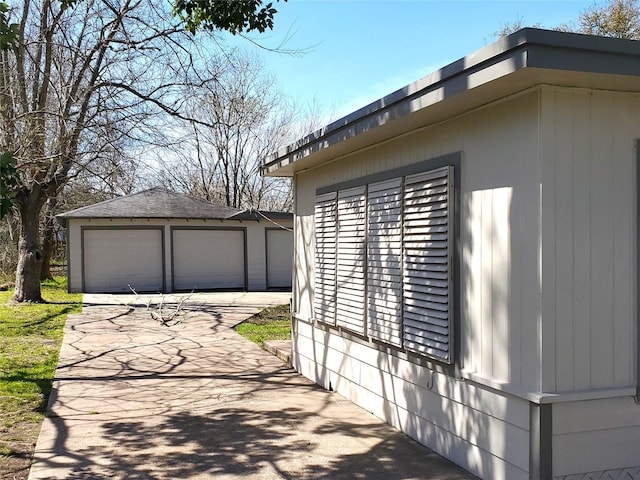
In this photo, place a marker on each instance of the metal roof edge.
(514, 46)
(252, 214)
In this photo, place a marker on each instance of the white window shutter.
(350, 293)
(384, 261)
(325, 261)
(427, 265)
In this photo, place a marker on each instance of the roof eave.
(514, 63)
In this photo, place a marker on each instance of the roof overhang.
(515, 63)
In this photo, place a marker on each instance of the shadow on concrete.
(134, 400)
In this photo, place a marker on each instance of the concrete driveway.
(135, 400)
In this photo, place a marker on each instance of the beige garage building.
(467, 255)
(160, 241)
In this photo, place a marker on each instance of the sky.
(353, 52)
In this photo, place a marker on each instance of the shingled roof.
(154, 203)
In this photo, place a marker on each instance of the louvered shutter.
(351, 259)
(325, 260)
(427, 266)
(384, 261)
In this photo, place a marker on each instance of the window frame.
(452, 364)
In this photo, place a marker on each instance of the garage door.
(208, 259)
(279, 258)
(113, 259)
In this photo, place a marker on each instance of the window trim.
(454, 160)
(451, 159)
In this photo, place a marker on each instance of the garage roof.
(160, 203)
(514, 63)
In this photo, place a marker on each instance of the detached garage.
(161, 241)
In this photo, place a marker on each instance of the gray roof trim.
(258, 215)
(526, 48)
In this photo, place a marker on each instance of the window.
(426, 280)
(383, 263)
(351, 260)
(325, 271)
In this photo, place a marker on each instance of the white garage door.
(279, 258)
(208, 259)
(116, 258)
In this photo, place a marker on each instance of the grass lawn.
(30, 337)
(273, 323)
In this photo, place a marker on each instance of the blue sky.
(360, 50)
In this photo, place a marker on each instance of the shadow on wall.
(465, 423)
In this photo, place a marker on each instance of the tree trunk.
(48, 239)
(29, 252)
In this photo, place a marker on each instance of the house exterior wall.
(588, 239)
(522, 233)
(255, 241)
(589, 245)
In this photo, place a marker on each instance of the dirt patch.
(17, 444)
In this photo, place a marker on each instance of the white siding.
(547, 281)
(499, 283)
(588, 241)
(500, 280)
(484, 432)
(595, 436)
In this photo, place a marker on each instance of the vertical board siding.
(350, 269)
(531, 170)
(384, 261)
(325, 258)
(601, 237)
(427, 266)
(500, 192)
(589, 239)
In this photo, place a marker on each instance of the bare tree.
(243, 117)
(507, 28)
(613, 18)
(70, 76)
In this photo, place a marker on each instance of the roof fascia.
(527, 48)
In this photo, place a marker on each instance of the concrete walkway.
(135, 400)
